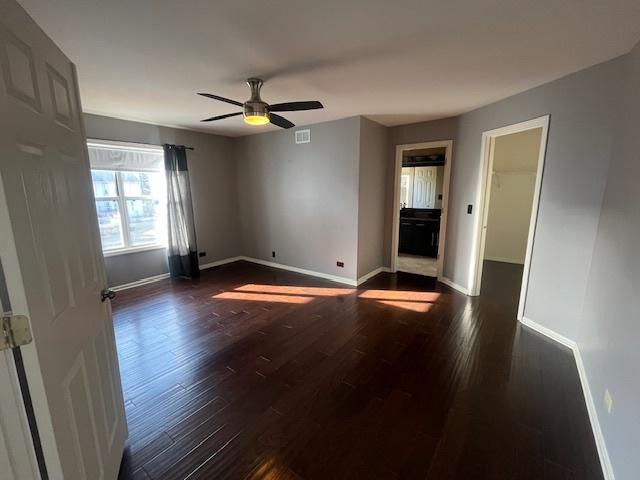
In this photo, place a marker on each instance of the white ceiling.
(395, 61)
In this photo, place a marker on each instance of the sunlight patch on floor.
(415, 301)
(422, 307)
(407, 300)
(290, 290)
(263, 297)
(400, 295)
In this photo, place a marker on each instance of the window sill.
(126, 251)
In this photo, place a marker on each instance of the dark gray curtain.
(183, 252)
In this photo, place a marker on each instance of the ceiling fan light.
(256, 119)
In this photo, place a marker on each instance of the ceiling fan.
(258, 112)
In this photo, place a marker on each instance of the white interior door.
(50, 249)
(424, 187)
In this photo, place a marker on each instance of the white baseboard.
(204, 266)
(603, 454)
(335, 278)
(517, 261)
(157, 278)
(137, 283)
(453, 285)
(217, 263)
(372, 274)
(326, 276)
(567, 342)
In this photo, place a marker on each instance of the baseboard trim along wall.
(224, 261)
(157, 278)
(605, 461)
(372, 274)
(453, 285)
(312, 273)
(217, 263)
(516, 261)
(143, 281)
(567, 342)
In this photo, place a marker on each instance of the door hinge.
(14, 331)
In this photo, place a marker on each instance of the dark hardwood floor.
(252, 372)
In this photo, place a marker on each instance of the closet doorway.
(511, 180)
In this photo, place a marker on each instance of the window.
(406, 187)
(130, 192)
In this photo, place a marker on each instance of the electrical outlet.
(340, 264)
(273, 254)
(608, 400)
(202, 254)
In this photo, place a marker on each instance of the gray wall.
(609, 328)
(131, 267)
(213, 183)
(301, 200)
(372, 206)
(582, 108)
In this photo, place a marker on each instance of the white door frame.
(486, 162)
(15, 436)
(17, 453)
(395, 225)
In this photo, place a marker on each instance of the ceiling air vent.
(303, 136)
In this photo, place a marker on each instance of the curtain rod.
(124, 141)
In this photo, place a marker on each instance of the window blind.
(125, 156)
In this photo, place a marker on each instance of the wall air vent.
(303, 136)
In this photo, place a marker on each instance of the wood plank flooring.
(252, 372)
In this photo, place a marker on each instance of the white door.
(424, 187)
(50, 249)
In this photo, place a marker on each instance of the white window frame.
(121, 199)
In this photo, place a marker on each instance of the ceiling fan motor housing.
(255, 106)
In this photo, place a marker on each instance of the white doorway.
(421, 187)
(507, 242)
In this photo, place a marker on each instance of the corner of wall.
(372, 196)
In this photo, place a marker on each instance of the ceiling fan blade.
(281, 121)
(221, 99)
(295, 106)
(220, 117)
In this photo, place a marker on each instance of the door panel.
(424, 187)
(44, 167)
